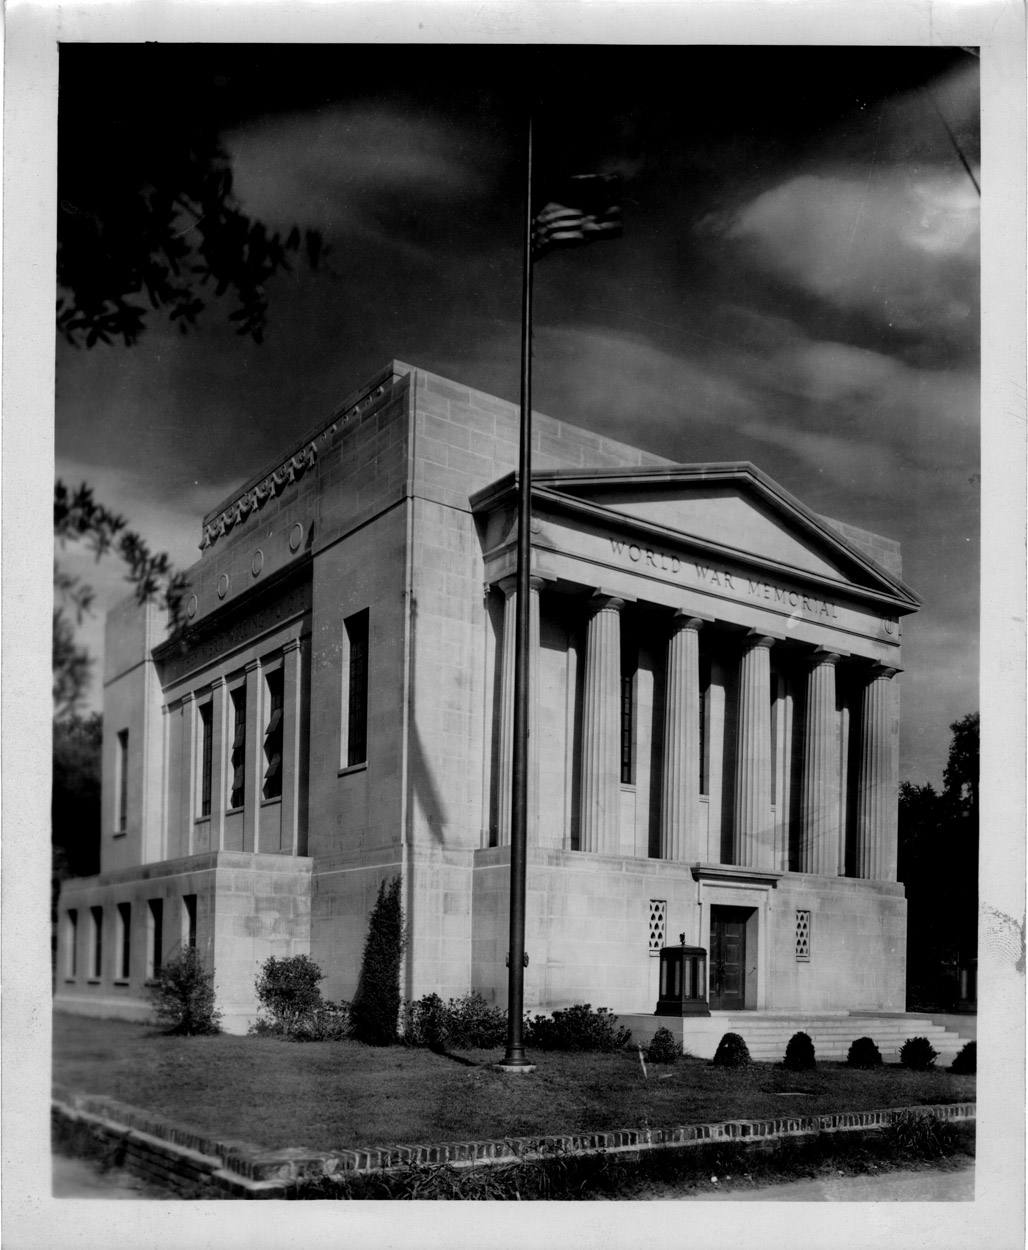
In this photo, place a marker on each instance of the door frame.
(742, 916)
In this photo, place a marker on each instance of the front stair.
(767, 1033)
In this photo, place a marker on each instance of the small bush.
(329, 1023)
(863, 1053)
(465, 1023)
(799, 1053)
(577, 1028)
(918, 1054)
(182, 995)
(966, 1062)
(375, 1011)
(732, 1052)
(288, 991)
(425, 1023)
(921, 1135)
(664, 1047)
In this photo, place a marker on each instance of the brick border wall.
(181, 1158)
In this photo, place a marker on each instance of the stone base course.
(208, 1167)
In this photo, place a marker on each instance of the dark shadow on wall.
(425, 791)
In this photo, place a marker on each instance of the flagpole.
(514, 1059)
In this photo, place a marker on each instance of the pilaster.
(877, 801)
(819, 810)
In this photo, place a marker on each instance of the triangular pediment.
(735, 508)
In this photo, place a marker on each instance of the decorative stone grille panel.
(803, 936)
(658, 925)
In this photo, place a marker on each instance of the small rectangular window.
(235, 798)
(357, 689)
(658, 925)
(121, 781)
(803, 936)
(206, 756)
(71, 942)
(96, 963)
(156, 935)
(124, 940)
(189, 920)
(273, 738)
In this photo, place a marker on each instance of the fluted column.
(819, 810)
(601, 773)
(679, 816)
(505, 769)
(877, 794)
(754, 834)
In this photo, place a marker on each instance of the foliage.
(288, 991)
(147, 217)
(465, 1023)
(182, 995)
(966, 1061)
(920, 1135)
(75, 797)
(799, 1053)
(864, 1053)
(375, 1011)
(937, 830)
(577, 1028)
(79, 518)
(732, 1052)
(664, 1047)
(918, 1054)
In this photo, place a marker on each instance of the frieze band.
(256, 498)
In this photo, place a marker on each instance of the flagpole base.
(514, 1069)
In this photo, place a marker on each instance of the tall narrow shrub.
(375, 1011)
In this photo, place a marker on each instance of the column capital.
(188, 697)
(823, 655)
(602, 601)
(755, 639)
(218, 681)
(884, 671)
(291, 644)
(252, 666)
(507, 584)
(536, 583)
(688, 620)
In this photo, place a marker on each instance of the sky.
(797, 285)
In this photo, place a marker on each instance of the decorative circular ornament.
(296, 537)
(223, 586)
(257, 563)
(191, 606)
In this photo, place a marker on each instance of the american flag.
(584, 210)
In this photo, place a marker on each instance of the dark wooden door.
(728, 959)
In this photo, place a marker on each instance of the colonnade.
(753, 830)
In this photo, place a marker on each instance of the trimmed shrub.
(288, 991)
(863, 1053)
(966, 1062)
(375, 1010)
(732, 1052)
(664, 1047)
(182, 995)
(799, 1053)
(425, 1023)
(918, 1054)
(577, 1028)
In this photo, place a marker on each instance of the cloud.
(898, 246)
(350, 167)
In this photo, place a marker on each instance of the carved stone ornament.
(255, 498)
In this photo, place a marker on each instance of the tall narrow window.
(235, 798)
(97, 942)
(627, 728)
(71, 942)
(206, 756)
(124, 940)
(357, 690)
(704, 724)
(156, 925)
(189, 920)
(121, 780)
(273, 737)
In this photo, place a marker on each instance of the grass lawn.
(337, 1095)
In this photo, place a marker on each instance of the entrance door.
(728, 958)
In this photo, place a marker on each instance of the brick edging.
(176, 1155)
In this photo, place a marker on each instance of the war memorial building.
(713, 746)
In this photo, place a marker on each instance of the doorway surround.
(724, 885)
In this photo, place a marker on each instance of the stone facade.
(714, 725)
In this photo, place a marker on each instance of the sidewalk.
(955, 1185)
